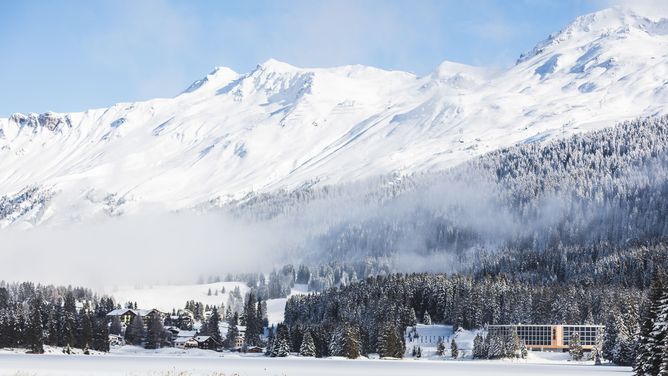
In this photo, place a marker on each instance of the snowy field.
(167, 297)
(112, 365)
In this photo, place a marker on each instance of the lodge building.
(127, 314)
(549, 337)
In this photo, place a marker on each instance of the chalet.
(207, 343)
(186, 343)
(550, 337)
(127, 314)
(239, 341)
(255, 350)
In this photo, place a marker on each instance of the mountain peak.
(593, 25)
(276, 66)
(219, 76)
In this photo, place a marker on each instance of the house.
(239, 341)
(550, 337)
(207, 343)
(185, 343)
(127, 314)
(255, 350)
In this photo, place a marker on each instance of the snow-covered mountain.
(283, 127)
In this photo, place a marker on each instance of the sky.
(72, 55)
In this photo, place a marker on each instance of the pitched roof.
(140, 312)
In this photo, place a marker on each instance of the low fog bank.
(169, 248)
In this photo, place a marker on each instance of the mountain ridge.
(279, 126)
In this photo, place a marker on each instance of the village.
(180, 330)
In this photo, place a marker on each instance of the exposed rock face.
(48, 120)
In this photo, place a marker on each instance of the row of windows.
(588, 334)
(536, 335)
(546, 335)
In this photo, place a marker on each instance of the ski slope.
(231, 135)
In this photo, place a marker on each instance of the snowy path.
(61, 365)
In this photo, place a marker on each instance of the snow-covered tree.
(454, 349)
(307, 347)
(575, 346)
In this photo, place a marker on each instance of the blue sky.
(71, 55)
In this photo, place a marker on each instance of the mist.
(140, 249)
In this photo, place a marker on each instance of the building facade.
(550, 337)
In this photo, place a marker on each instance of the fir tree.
(100, 335)
(478, 347)
(307, 347)
(390, 344)
(116, 326)
(575, 346)
(214, 327)
(134, 333)
(232, 332)
(350, 347)
(426, 319)
(154, 332)
(495, 347)
(454, 349)
(610, 338)
(35, 337)
(646, 359)
(440, 347)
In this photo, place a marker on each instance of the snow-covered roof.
(183, 339)
(202, 338)
(140, 312)
(186, 333)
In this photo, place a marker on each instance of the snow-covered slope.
(283, 127)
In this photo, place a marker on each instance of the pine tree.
(213, 325)
(426, 319)
(663, 370)
(390, 344)
(85, 330)
(35, 337)
(660, 332)
(100, 335)
(477, 347)
(495, 347)
(610, 338)
(154, 332)
(282, 348)
(351, 344)
(232, 332)
(454, 349)
(250, 317)
(281, 341)
(512, 344)
(116, 326)
(524, 351)
(307, 347)
(440, 347)
(134, 333)
(647, 363)
(52, 327)
(575, 346)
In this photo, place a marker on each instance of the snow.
(276, 307)
(280, 126)
(166, 297)
(173, 363)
